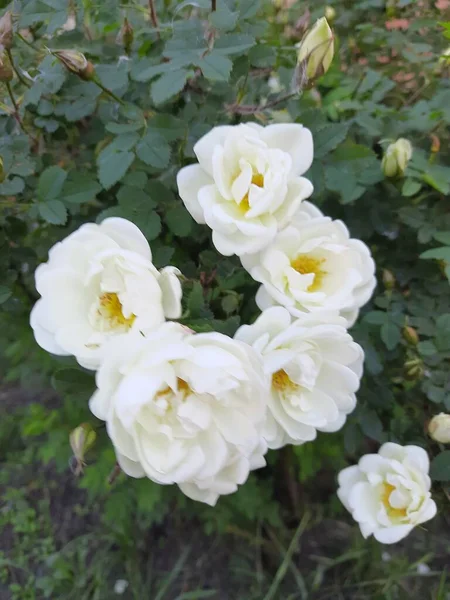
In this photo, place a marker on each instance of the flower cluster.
(200, 410)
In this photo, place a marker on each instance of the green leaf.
(83, 189)
(154, 150)
(440, 467)
(234, 43)
(442, 236)
(113, 166)
(12, 187)
(437, 253)
(168, 85)
(134, 198)
(53, 212)
(5, 293)
(411, 187)
(390, 334)
(51, 182)
(73, 381)
(196, 303)
(223, 18)
(329, 137)
(215, 67)
(179, 221)
(168, 126)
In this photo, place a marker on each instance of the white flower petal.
(294, 139)
(190, 180)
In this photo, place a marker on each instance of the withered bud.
(76, 63)
(435, 143)
(6, 31)
(127, 35)
(410, 335)
(6, 70)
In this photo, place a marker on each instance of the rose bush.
(197, 128)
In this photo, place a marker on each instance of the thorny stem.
(213, 5)
(250, 109)
(16, 70)
(154, 16)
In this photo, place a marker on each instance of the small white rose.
(247, 185)
(439, 428)
(100, 282)
(314, 367)
(388, 493)
(184, 408)
(396, 158)
(313, 266)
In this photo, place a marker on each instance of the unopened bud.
(316, 50)
(439, 428)
(6, 31)
(2, 171)
(410, 335)
(6, 70)
(127, 34)
(435, 143)
(396, 158)
(75, 62)
(330, 13)
(414, 369)
(388, 279)
(82, 439)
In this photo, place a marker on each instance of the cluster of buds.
(414, 369)
(439, 428)
(396, 158)
(316, 51)
(76, 63)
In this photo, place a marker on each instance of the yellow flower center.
(395, 513)
(183, 388)
(111, 309)
(282, 382)
(305, 264)
(258, 180)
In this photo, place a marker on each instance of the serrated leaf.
(440, 467)
(390, 334)
(329, 137)
(215, 67)
(12, 187)
(168, 126)
(51, 182)
(234, 43)
(80, 191)
(411, 187)
(113, 166)
(179, 221)
(223, 18)
(154, 150)
(73, 381)
(196, 303)
(437, 253)
(168, 85)
(442, 236)
(134, 198)
(53, 211)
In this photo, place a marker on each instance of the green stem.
(109, 92)
(17, 114)
(20, 36)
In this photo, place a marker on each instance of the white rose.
(184, 408)
(99, 282)
(314, 367)
(247, 184)
(388, 493)
(313, 265)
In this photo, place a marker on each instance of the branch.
(251, 109)
(154, 17)
(213, 5)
